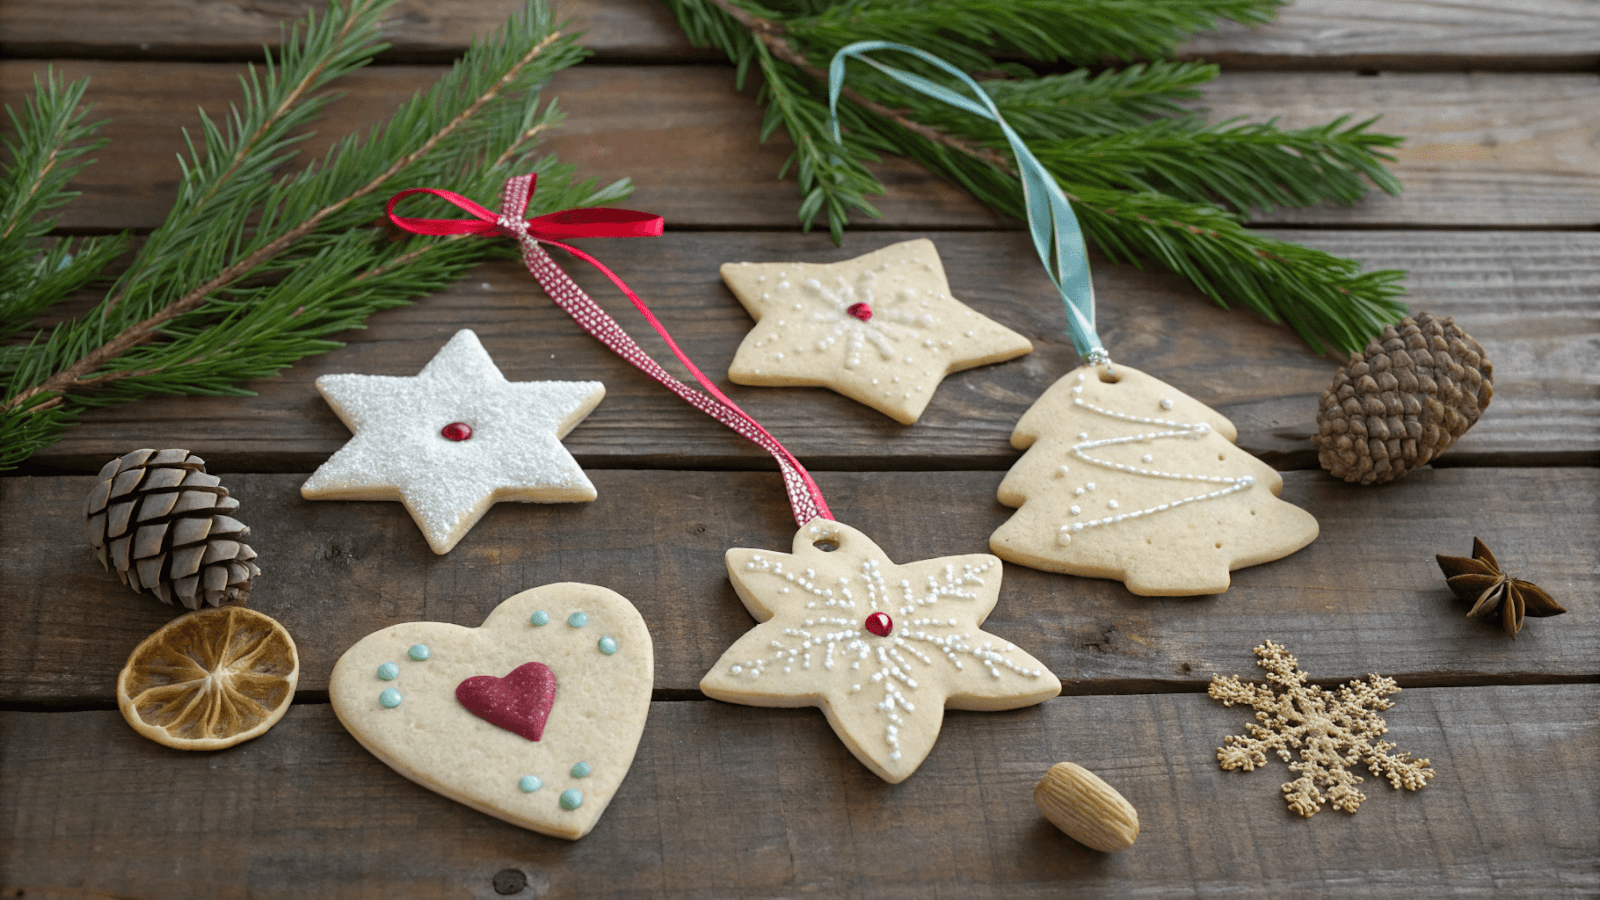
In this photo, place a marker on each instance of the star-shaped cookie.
(453, 440)
(882, 648)
(881, 329)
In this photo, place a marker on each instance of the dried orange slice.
(210, 679)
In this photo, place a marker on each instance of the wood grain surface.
(1497, 227)
(1367, 592)
(1343, 34)
(1481, 149)
(727, 801)
(1528, 297)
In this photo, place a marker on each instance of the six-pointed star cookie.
(883, 649)
(881, 329)
(453, 440)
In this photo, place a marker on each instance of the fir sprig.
(45, 149)
(1150, 179)
(257, 265)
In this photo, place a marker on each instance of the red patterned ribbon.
(804, 495)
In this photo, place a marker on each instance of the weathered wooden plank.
(1530, 298)
(1412, 35)
(1499, 149)
(733, 801)
(430, 30)
(1482, 150)
(1375, 34)
(1367, 593)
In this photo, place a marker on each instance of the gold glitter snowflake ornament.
(1333, 731)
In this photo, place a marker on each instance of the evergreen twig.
(255, 267)
(1149, 178)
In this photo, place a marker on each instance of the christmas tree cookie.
(881, 329)
(882, 648)
(454, 440)
(1126, 477)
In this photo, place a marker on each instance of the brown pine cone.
(1403, 400)
(163, 523)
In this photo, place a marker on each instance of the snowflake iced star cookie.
(881, 329)
(533, 717)
(1126, 477)
(882, 648)
(454, 440)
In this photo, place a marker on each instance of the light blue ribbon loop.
(1056, 234)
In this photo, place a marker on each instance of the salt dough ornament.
(881, 329)
(935, 659)
(882, 648)
(1125, 477)
(454, 440)
(399, 693)
(1134, 480)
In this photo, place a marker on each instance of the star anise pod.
(1480, 582)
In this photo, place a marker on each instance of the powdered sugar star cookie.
(882, 648)
(881, 329)
(454, 440)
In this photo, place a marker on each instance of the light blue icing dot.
(390, 698)
(571, 798)
(581, 770)
(418, 652)
(578, 620)
(540, 618)
(530, 783)
(388, 672)
(608, 645)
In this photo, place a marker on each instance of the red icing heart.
(519, 702)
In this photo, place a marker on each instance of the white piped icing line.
(1163, 429)
(890, 324)
(832, 636)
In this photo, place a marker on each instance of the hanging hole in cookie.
(1219, 545)
(1109, 375)
(1221, 457)
(1149, 541)
(826, 545)
(1252, 512)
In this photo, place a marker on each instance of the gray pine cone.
(163, 523)
(1403, 400)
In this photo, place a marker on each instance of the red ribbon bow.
(602, 222)
(805, 498)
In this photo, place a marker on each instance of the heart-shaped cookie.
(455, 709)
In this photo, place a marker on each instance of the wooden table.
(1500, 106)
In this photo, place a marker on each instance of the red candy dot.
(860, 310)
(456, 431)
(880, 624)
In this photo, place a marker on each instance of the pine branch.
(254, 269)
(44, 151)
(1151, 180)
